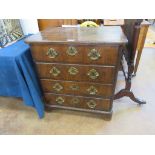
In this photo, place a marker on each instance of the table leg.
(127, 90)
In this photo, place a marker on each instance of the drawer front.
(76, 72)
(75, 54)
(77, 88)
(78, 102)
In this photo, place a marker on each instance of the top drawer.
(86, 54)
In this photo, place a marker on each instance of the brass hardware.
(91, 104)
(94, 54)
(93, 74)
(74, 87)
(54, 71)
(57, 87)
(52, 53)
(60, 100)
(92, 90)
(72, 51)
(73, 71)
(75, 101)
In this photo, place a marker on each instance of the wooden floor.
(128, 117)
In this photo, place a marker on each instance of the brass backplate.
(94, 54)
(93, 74)
(91, 104)
(52, 53)
(60, 100)
(92, 90)
(72, 51)
(57, 87)
(54, 71)
(73, 71)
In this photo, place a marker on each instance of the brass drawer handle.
(94, 54)
(72, 51)
(52, 53)
(73, 71)
(93, 74)
(57, 87)
(92, 90)
(74, 87)
(60, 100)
(75, 101)
(54, 71)
(91, 104)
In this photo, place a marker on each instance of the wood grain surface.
(106, 74)
(101, 104)
(108, 54)
(112, 35)
(77, 88)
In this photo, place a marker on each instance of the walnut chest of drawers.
(78, 67)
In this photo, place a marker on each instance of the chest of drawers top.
(112, 35)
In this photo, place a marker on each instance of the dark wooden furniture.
(113, 22)
(132, 30)
(46, 23)
(140, 45)
(141, 39)
(78, 67)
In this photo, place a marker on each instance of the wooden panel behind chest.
(84, 54)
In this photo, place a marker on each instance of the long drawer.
(105, 55)
(78, 102)
(77, 88)
(70, 72)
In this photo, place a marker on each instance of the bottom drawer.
(78, 102)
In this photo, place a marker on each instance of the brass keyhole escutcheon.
(94, 54)
(91, 104)
(92, 90)
(52, 53)
(74, 87)
(57, 87)
(54, 71)
(72, 51)
(75, 101)
(93, 74)
(73, 71)
(60, 100)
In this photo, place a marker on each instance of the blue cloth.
(17, 75)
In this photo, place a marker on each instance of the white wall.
(29, 26)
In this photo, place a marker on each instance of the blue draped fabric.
(17, 75)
